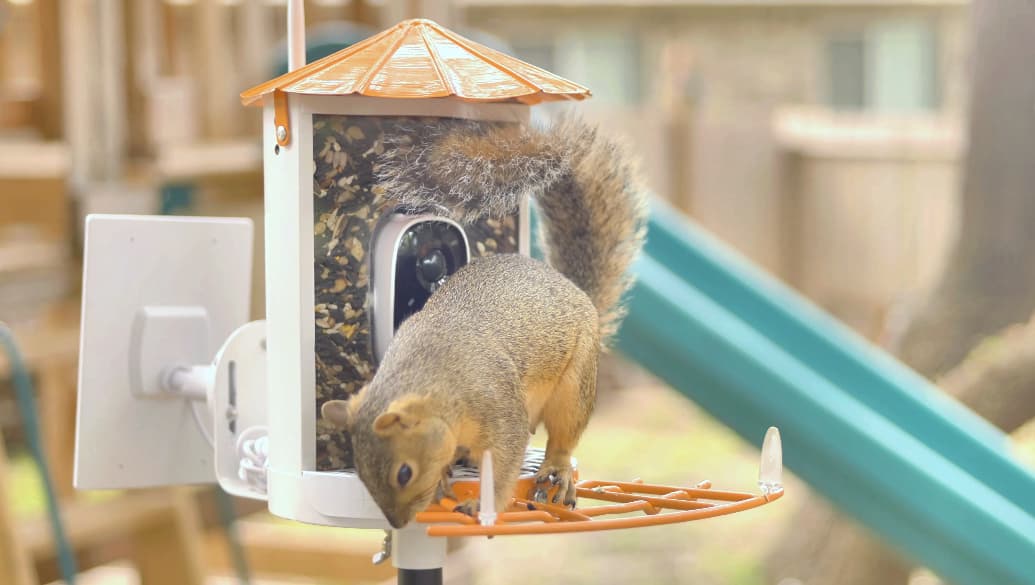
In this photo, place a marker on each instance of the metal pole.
(420, 576)
(296, 34)
(418, 557)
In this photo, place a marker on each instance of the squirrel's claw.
(560, 478)
(565, 496)
(445, 489)
(469, 507)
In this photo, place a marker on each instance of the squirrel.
(507, 342)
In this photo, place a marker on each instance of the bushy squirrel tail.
(591, 201)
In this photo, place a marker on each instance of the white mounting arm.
(168, 362)
(190, 382)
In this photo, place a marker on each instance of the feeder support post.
(413, 549)
(296, 34)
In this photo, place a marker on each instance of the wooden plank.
(40, 347)
(253, 47)
(15, 567)
(40, 206)
(170, 553)
(680, 153)
(161, 525)
(134, 39)
(93, 524)
(440, 11)
(104, 532)
(195, 160)
(219, 107)
(77, 42)
(51, 353)
(57, 405)
(109, 140)
(318, 554)
(362, 12)
(51, 115)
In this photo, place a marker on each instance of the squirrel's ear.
(403, 414)
(341, 413)
(391, 423)
(336, 411)
(387, 423)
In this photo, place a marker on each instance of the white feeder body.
(306, 477)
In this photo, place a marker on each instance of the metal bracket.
(281, 121)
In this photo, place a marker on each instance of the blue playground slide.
(872, 436)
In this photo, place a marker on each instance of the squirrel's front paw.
(445, 489)
(469, 507)
(560, 475)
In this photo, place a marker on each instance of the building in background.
(820, 138)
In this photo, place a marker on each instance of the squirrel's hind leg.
(565, 416)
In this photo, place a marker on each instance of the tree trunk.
(997, 379)
(990, 281)
(989, 284)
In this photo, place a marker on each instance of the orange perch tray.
(652, 504)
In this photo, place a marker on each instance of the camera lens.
(429, 252)
(432, 269)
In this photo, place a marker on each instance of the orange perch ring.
(659, 504)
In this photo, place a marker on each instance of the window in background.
(885, 67)
(609, 61)
(846, 72)
(539, 53)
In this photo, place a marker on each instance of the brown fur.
(585, 186)
(508, 342)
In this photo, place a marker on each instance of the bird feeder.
(346, 262)
(340, 275)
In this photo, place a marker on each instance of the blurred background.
(876, 155)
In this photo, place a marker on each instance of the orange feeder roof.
(420, 59)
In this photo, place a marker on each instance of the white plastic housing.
(157, 291)
(238, 401)
(162, 338)
(296, 490)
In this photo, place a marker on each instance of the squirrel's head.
(400, 451)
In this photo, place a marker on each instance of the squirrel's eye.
(405, 474)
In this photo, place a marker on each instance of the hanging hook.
(386, 549)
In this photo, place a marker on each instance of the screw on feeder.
(281, 133)
(770, 472)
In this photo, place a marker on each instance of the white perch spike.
(770, 472)
(487, 504)
(296, 34)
